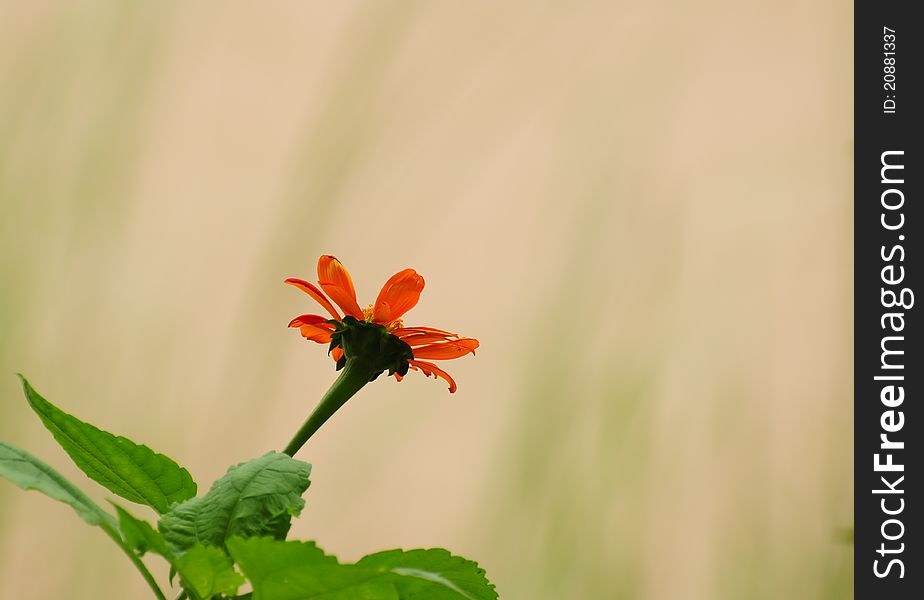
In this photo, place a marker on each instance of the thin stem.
(89, 510)
(136, 560)
(356, 373)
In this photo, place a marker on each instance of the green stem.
(135, 559)
(89, 510)
(355, 374)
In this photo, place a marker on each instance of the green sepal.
(372, 344)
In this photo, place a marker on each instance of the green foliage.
(242, 519)
(207, 571)
(434, 574)
(258, 497)
(30, 473)
(140, 536)
(295, 570)
(301, 571)
(132, 471)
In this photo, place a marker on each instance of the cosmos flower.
(395, 347)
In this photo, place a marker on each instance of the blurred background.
(642, 210)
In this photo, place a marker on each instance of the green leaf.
(207, 571)
(30, 473)
(258, 497)
(204, 570)
(132, 471)
(141, 536)
(300, 570)
(434, 574)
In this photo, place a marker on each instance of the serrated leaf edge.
(117, 481)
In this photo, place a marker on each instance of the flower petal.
(399, 295)
(316, 333)
(431, 370)
(336, 353)
(401, 331)
(315, 293)
(447, 350)
(420, 339)
(336, 281)
(310, 320)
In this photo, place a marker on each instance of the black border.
(876, 132)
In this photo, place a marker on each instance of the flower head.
(376, 333)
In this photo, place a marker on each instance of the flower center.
(367, 316)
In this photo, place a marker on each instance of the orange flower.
(399, 295)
